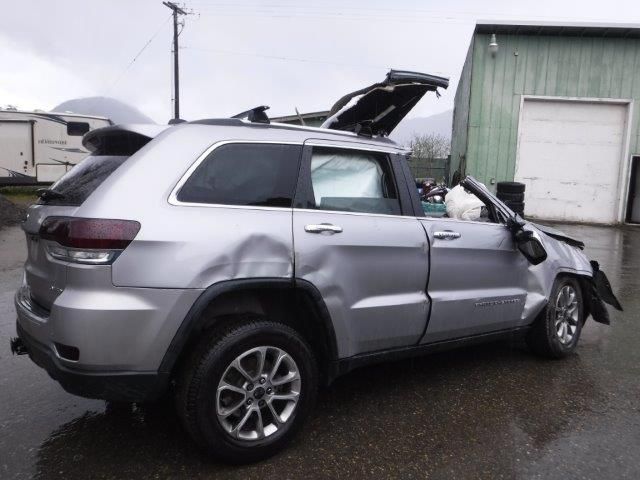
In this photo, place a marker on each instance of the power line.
(362, 17)
(137, 55)
(298, 59)
(296, 10)
(283, 58)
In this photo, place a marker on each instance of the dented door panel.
(211, 244)
(372, 276)
(477, 282)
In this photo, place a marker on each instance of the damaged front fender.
(565, 256)
(597, 292)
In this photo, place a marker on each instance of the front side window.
(353, 181)
(251, 174)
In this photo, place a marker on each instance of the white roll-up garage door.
(569, 157)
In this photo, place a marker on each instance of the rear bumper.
(114, 329)
(40, 330)
(113, 386)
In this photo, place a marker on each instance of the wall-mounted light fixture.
(493, 45)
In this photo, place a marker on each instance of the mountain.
(117, 111)
(438, 124)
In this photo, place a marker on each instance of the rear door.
(16, 149)
(356, 241)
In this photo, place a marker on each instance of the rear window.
(245, 174)
(81, 181)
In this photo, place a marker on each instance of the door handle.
(446, 235)
(322, 228)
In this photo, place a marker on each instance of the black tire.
(510, 187)
(543, 338)
(511, 197)
(515, 206)
(196, 390)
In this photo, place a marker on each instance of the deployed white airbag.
(462, 205)
(352, 175)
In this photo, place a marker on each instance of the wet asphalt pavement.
(493, 411)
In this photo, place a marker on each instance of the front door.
(354, 243)
(477, 280)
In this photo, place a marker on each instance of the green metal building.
(554, 106)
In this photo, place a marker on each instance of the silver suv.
(241, 264)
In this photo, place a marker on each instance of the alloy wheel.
(258, 393)
(566, 314)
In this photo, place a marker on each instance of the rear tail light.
(87, 240)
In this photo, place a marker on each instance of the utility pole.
(176, 76)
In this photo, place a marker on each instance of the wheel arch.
(585, 282)
(293, 302)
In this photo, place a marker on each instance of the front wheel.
(247, 390)
(556, 331)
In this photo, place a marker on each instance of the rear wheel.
(556, 331)
(247, 391)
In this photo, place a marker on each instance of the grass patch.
(23, 196)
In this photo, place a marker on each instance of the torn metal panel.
(377, 109)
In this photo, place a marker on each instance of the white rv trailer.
(39, 147)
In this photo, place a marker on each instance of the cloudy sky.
(236, 54)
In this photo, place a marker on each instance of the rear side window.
(77, 128)
(353, 181)
(245, 174)
(80, 182)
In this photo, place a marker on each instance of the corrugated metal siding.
(461, 113)
(436, 168)
(544, 65)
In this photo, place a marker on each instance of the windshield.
(82, 180)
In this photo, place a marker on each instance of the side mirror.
(530, 246)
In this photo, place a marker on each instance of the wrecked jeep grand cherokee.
(239, 264)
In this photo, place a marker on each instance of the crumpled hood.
(558, 235)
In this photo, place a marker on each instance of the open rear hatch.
(379, 108)
(111, 147)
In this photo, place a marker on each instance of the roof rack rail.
(255, 115)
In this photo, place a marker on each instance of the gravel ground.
(10, 213)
